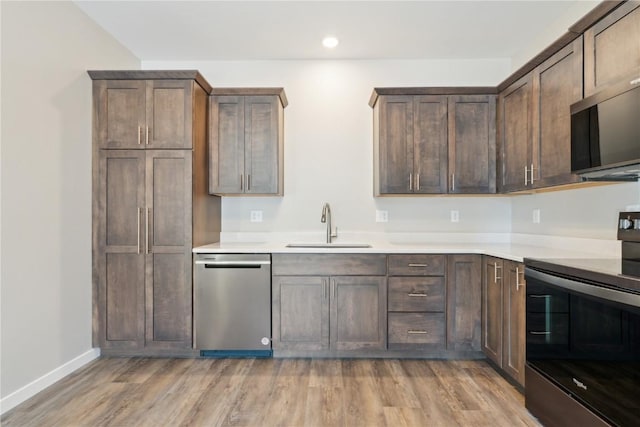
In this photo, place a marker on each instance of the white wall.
(586, 212)
(46, 184)
(328, 145)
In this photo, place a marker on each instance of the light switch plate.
(536, 216)
(256, 216)
(455, 216)
(382, 216)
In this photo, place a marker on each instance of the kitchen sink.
(328, 245)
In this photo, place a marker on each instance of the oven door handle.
(607, 294)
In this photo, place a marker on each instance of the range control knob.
(626, 224)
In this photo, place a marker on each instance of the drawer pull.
(416, 332)
(418, 265)
(540, 332)
(416, 294)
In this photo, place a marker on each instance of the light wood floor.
(276, 392)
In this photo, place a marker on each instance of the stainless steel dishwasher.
(232, 305)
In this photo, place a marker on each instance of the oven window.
(588, 347)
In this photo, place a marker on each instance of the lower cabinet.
(328, 310)
(464, 289)
(503, 315)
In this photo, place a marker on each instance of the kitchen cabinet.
(503, 315)
(611, 49)
(433, 143)
(328, 302)
(515, 136)
(150, 207)
(416, 302)
(557, 83)
(143, 114)
(246, 141)
(464, 287)
(472, 144)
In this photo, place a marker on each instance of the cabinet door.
(119, 261)
(612, 49)
(429, 145)
(472, 144)
(395, 144)
(169, 114)
(515, 134)
(119, 113)
(464, 287)
(358, 312)
(261, 144)
(513, 351)
(300, 313)
(226, 145)
(168, 248)
(557, 84)
(492, 306)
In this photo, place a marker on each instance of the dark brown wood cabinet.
(612, 49)
(464, 288)
(151, 206)
(433, 143)
(557, 83)
(328, 303)
(143, 114)
(246, 141)
(503, 315)
(417, 302)
(515, 136)
(472, 144)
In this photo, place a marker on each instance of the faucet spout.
(326, 218)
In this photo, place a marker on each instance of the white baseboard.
(17, 397)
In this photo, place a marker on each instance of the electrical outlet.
(256, 216)
(382, 216)
(536, 216)
(455, 216)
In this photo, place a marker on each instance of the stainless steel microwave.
(605, 133)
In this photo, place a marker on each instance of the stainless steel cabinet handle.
(418, 265)
(531, 182)
(416, 332)
(139, 130)
(540, 332)
(146, 141)
(248, 182)
(138, 214)
(146, 239)
(518, 272)
(417, 182)
(495, 272)
(635, 81)
(416, 294)
(526, 170)
(241, 182)
(410, 182)
(453, 182)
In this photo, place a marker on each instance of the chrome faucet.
(326, 217)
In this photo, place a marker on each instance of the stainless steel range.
(583, 336)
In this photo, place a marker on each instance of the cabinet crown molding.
(151, 75)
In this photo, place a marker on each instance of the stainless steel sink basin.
(328, 245)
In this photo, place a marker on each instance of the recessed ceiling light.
(330, 42)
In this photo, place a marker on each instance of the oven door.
(586, 339)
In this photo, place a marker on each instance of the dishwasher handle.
(231, 264)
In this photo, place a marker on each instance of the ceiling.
(257, 30)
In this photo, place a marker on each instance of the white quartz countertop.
(514, 252)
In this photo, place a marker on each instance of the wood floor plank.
(138, 392)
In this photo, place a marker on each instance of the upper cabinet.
(433, 144)
(612, 48)
(142, 114)
(535, 123)
(246, 141)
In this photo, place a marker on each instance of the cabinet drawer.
(416, 265)
(416, 294)
(416, 328)
(328, 264)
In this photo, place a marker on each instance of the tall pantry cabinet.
(150, 207)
